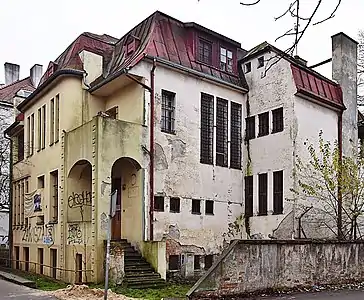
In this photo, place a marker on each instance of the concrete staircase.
(138, 272)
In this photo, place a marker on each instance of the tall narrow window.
(54, 196)
(250, 128)
(278, 192)
(26, 258)
(168, 107)
(226, 59)
(263, 186)
(53, 259)
(22, 192)
(56, 120)
(277, 120)
(32, 134)
(248, 196)
(263, 124)
(221, 132)
(205, 51)
(19, 199)
(39, 129)
(20, 145)
(235, 136)
(51, 124)
(41, 260)
(28, 136)
(207, 129)
(43, 126)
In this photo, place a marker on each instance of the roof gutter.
(108, 79)
(41, 88)
(195, 73)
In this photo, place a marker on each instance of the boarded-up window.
(207, 129)
(250, 128)
(235, 136)
(248, 196)
(221, 132)
(278, 192)
(263, 124)
(263, 197)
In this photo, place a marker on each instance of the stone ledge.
(17, 279)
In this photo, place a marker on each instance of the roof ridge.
(13, 83)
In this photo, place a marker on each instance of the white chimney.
(36, 74)
(344, 72)
(11, 73)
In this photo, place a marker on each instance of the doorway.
(116, 221)
(78, 268)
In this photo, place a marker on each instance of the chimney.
(36, 74)
(344, 72)
(11, 73)
(300, 60)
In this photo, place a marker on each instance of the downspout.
(151, 163)
(10, 234)
(339, 189)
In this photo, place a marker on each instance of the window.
(205, 52)
(39, 128)
(159, 203)
(78, 262)
(22, 198)
(26, 258)
(17, 257)
(263, 182)
(41, 260)
(278, 192)
(53, 259)
(207, 129)
(209, 259)
(248, 67)
(168, 106)
(248, 196)
(260, 62)
(56, 125)
(263, 124)
(28, 135)
(196, 262)
(20, 146)
(41, 182)
(221, 132)
(32, 137)
(54, 196)
(209, 207)
(112, 112)
(277, 120)
(250, 128)
(235, 136)
(196, 207)
(43, 126)
(226, 59)
(174, 205)
(51, 125)
(173, 263)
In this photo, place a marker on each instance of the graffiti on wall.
(39, 234)
(104, 221)
(80, 199)
(37, 202)
(74, 234)
(48, 235)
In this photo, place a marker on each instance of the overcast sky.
(37, 31)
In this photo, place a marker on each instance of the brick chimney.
(36, 74)
(12, 72)
(344, 72)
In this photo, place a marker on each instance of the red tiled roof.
(8, 92)
(316, 86)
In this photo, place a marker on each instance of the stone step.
(133, 269)
(136, 263)
(143, 279)
(145, 285)
(134, 259)
(142, 274)
(132, 254)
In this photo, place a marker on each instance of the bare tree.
(361, 68)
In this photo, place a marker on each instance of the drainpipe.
(151, 163)
(339, 189)
(10, 234)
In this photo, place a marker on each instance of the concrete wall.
(250, 266)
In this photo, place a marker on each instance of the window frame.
(169, 98)
(222, 132)
(263, 126)
(263, 194)
(193, 207)
(157, 207)
(207, 205)
(277, 120)
(261, 62)
(249, 195)
(246, 68)
(176, 204)
(201, 57)
(278, 192)
(235, 135)
(207, 111)
(229, 61)
(250, 130)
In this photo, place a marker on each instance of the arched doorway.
(79, 192)
(126, 179)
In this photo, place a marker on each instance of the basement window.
(196, 207)
(196, 262)
(209, 207)
(260, 62)
(173, 263)
(159, 203)
(263, 124)
(209, 259)
(174, 205)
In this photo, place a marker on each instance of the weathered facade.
(158, 115)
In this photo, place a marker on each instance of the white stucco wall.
(179, 172)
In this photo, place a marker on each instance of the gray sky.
(37, 31)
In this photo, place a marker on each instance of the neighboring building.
(158, 116)
(12, 92)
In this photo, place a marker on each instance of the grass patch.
(170, 291)
(44, 283)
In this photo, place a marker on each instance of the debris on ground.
(83, 292)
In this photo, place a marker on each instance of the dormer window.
(226, 60)
(205, 52)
